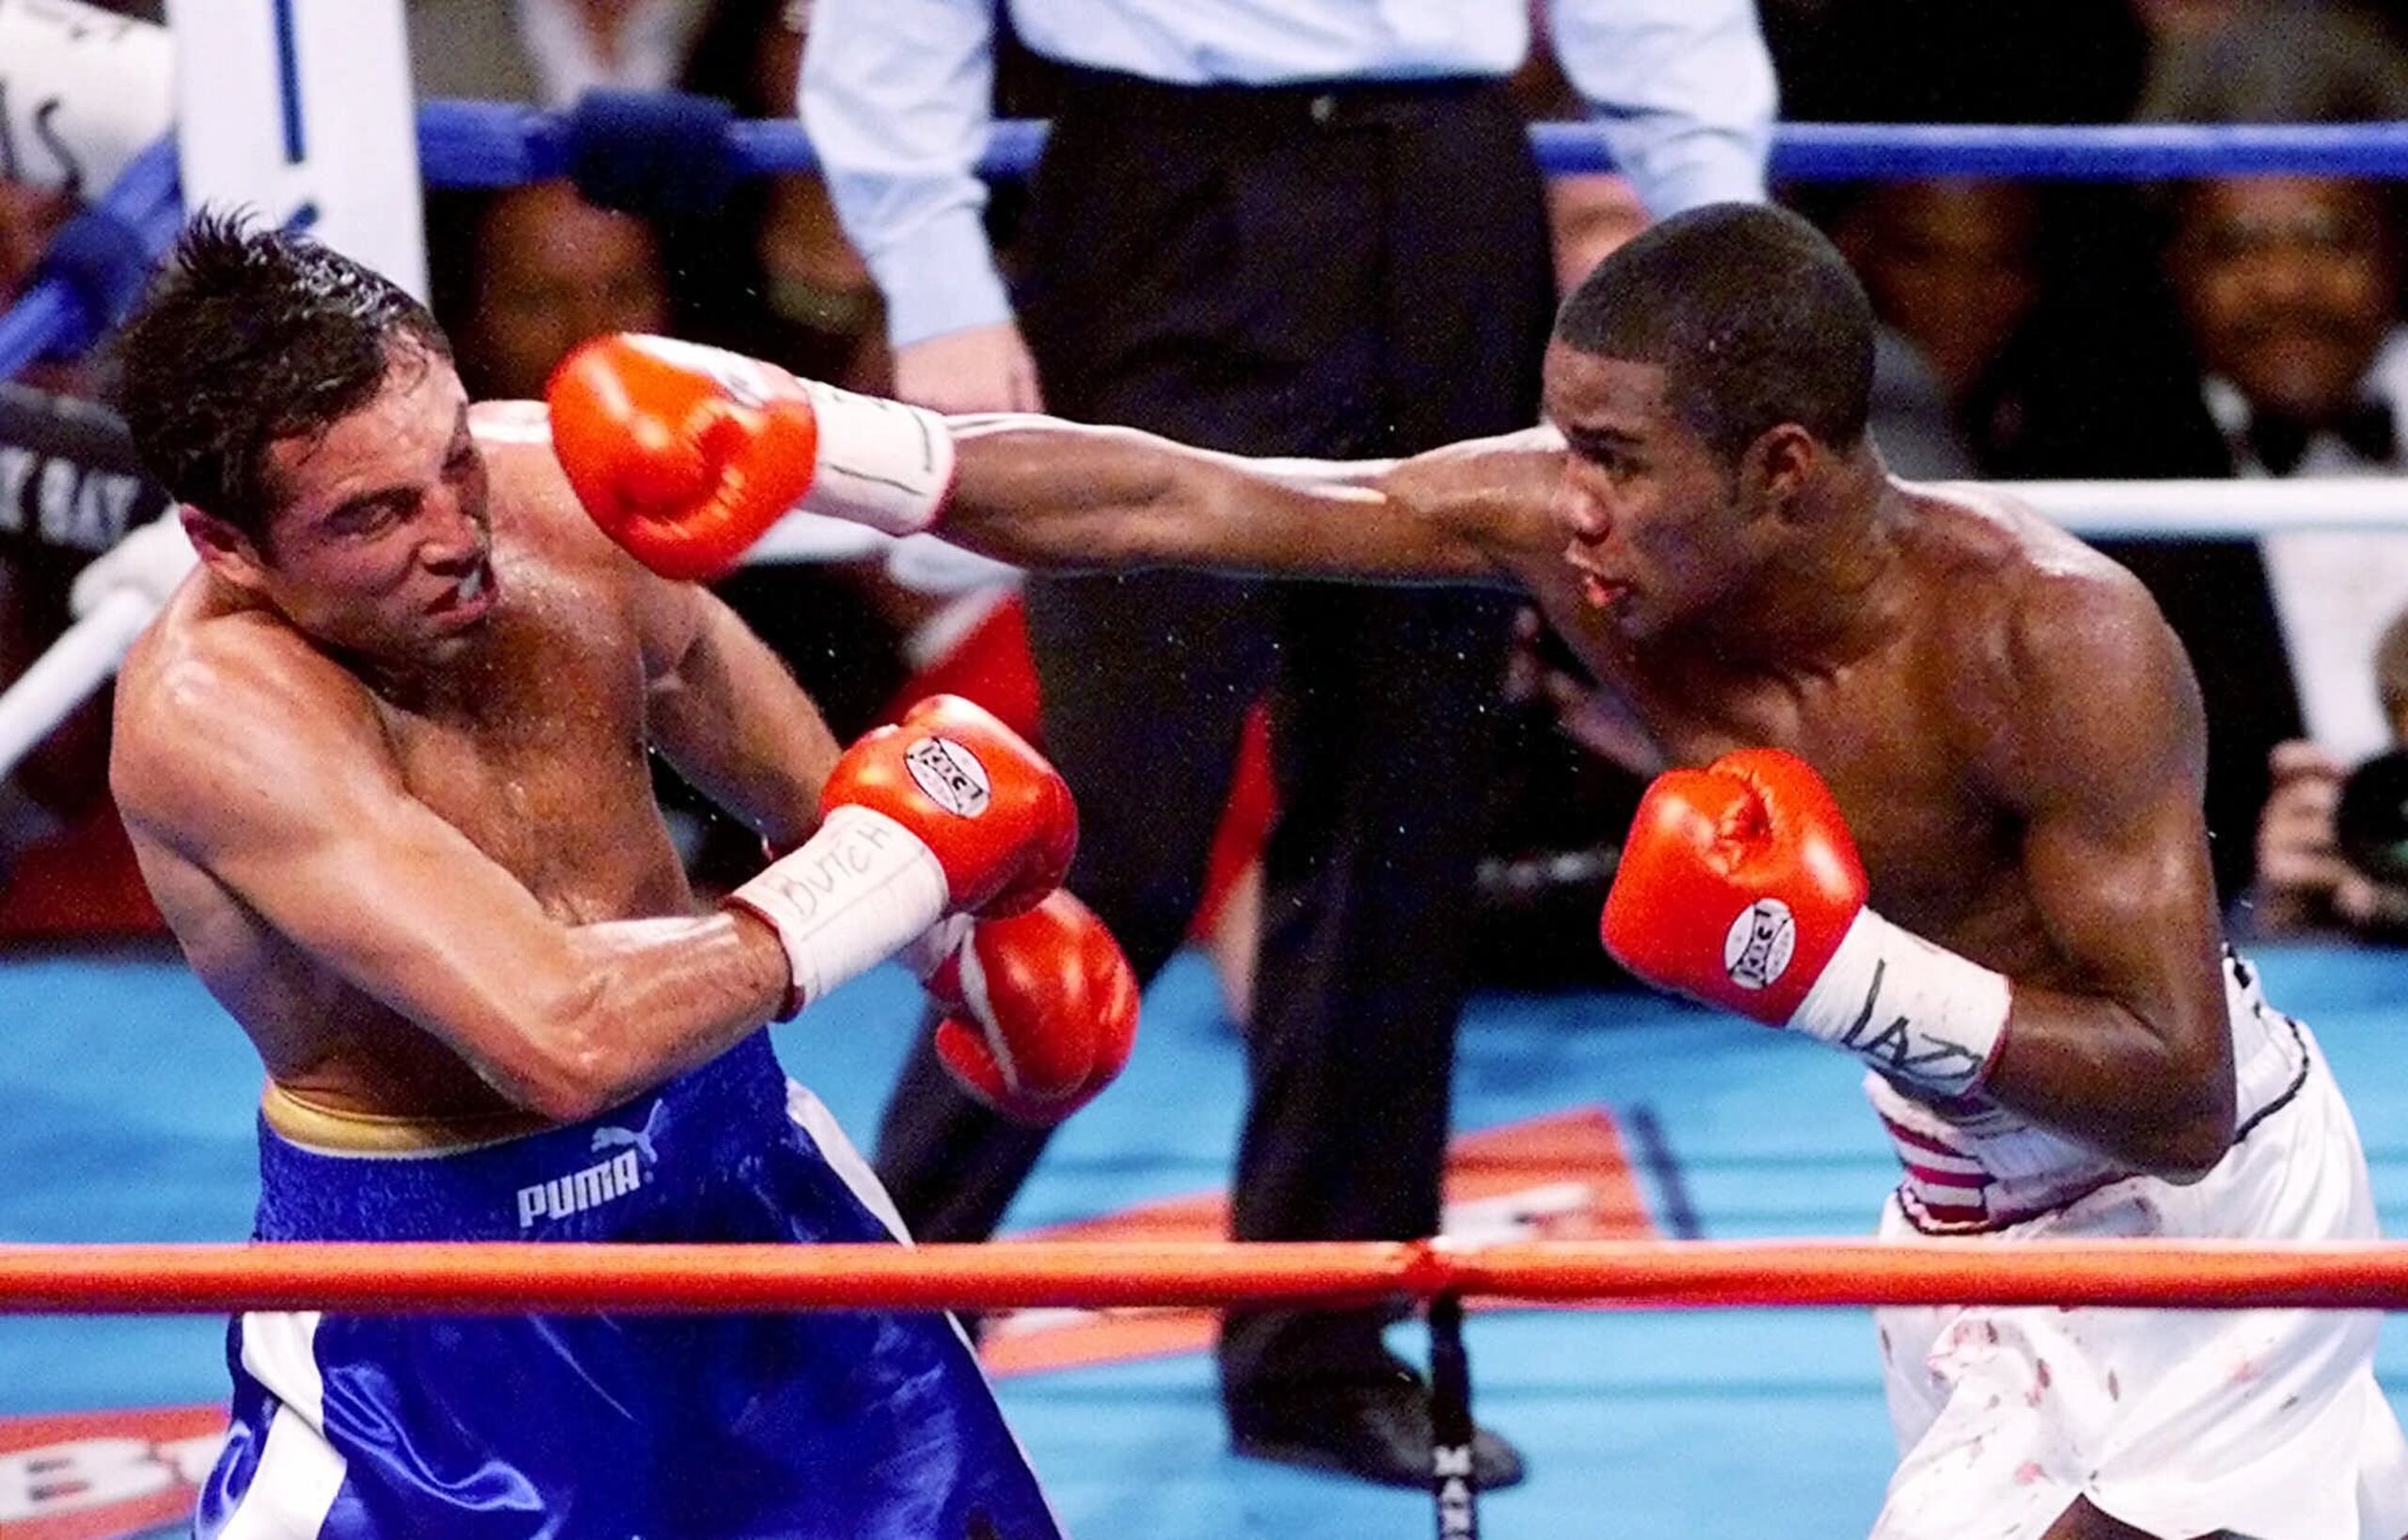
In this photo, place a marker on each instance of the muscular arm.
(724, 710)
(2105, 761)
(268, 772)
(1039, 493)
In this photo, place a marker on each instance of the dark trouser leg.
(951, 1165)
(1145, 680)
(1145, 684)
(1361, 982)
(1384, 749)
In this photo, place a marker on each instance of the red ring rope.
(561, 1278)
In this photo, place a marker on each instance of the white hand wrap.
(881, 463)
(925, 953)
(1914, 1012)
(858, 890)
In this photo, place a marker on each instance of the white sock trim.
(1914, 1012)
(858, 890)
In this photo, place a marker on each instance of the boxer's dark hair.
(250, 337)
(1755, 319)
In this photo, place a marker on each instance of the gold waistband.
(315, 1125)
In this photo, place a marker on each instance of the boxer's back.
(531, 744)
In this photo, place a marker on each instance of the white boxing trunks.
(2265, 1424)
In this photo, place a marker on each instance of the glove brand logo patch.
(950, 775)
(1756, 948)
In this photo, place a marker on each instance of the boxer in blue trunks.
(383, 760)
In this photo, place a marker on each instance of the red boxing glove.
(686, 455)
(945, 812)
(1041, 1009)
(1735, 885)
(1741, 887)
(998, 817)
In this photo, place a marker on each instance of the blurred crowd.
(2244, 326)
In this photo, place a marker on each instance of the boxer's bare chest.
(1936, 847)
(535, 752)
(1886, 732)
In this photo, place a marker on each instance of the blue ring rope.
(483, 143)
(479, 144)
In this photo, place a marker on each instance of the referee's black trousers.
(1360, 271)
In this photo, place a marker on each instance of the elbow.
(562, 1067)
(2177, 1115)
(2187, 1154)
(2187, 1142)
(562, 1091)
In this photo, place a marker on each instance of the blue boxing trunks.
(860, 1425)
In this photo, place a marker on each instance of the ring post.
(1452, 1486)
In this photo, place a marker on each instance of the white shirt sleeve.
(1684, 91)
(895, 97)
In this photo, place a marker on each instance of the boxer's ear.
(1774, 470)
(223, 548)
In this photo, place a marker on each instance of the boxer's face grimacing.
(1650, 516)
(383, 543)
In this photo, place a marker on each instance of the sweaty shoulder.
(537, 519)
(2041, 638)
(532, 504)
(215, 693)
(2000, 560)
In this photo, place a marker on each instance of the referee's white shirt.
(896, 96)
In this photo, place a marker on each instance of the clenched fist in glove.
(947, 812)
(1040, 1007)
(1741, 887)
(686, 454)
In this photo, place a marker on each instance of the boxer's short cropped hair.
(252, 336)
(1755, 319)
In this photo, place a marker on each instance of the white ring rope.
(2220, 509)
(62, 679)
(84, 659)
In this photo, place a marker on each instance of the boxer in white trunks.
(1993, 715)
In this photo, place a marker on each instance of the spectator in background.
(2289, 292)
(549, 51)
(2066, 321)
(1951, 266)
(2029, 314)
(1302, 230)
(774, 276)
(2307, 881)
(524, 274)
(799, 293)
